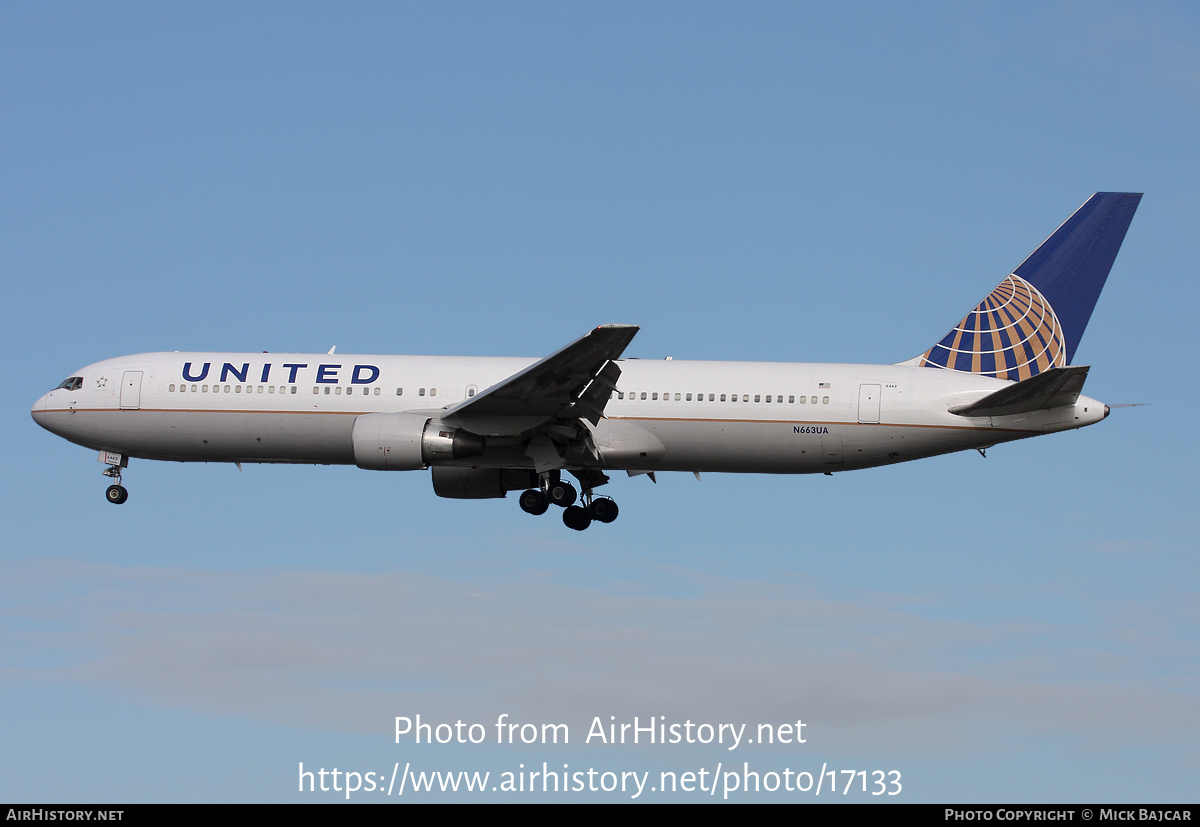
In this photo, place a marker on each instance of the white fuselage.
(667, 416)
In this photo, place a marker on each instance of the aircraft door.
(868, 403)
(131, 390)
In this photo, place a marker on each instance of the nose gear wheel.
(115, 494)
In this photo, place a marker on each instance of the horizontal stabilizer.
(1052, 388)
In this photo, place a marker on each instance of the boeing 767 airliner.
(488, 425)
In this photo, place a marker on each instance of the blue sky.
(771, 182)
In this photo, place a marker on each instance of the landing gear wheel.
(561, 494)
(603, 509)
(533, 501)
(116, 494)
(576, 517)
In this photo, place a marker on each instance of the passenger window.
(677, 397)
(792, 400)
(293, 388)
(620, 395)
(260, 388)
(722, 397)
(399, 391)
(316, 389)
(421, 392)
(204, 388)
(237, 388)
(779, 399)
(745, 397)
(825, 401)
(768, 397)
(758, 397)
(226, 388)
(377, 391)
(433, 391)
(470, 392)
(327, 390)
(689, 398)
(643, 394)
(337, 390)
(710, 397)
(172, 388)
(654, 396)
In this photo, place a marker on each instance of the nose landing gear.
(116, 494)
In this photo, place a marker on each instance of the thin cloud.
(349, 652)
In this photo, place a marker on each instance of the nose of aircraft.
(39, 410)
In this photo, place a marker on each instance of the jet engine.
(409, 442)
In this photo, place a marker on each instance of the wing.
(1049, 389)
(573, 383)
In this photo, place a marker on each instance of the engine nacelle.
(480, 483)
(409, 442)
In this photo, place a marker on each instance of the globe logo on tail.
(1012, 334)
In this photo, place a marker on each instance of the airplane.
(486, 426)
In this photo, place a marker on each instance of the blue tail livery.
(1035, 318)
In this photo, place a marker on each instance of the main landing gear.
(116, 494)
(562, 493)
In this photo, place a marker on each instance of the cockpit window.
(72, 384)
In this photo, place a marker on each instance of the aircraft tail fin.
(1034, 319)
